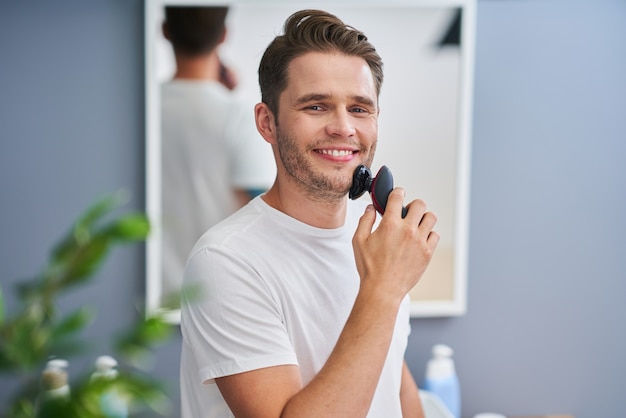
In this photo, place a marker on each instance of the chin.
(344, 187)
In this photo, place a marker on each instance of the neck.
(319, 213)
(201, 67)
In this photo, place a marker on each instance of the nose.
(340, 124)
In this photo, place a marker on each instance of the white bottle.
(55, 392)
(112, 403)
(441, 378)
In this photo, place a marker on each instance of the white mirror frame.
(457, 223)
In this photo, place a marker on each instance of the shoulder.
(199, 89)
(232, 225)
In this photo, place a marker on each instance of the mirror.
(424, 126)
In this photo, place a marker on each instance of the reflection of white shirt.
(270, 290)
(210, 145)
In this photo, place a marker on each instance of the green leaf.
(136, 343)
(23, 408)
(64, 339)
(155, 330)
(190, 293)
(25, 342)
(103, 207)
(137, 390)
(6, 362)
(2, 313)
(85, 261)
(134, 227)
(29, 289)
(82, 228)
(144, 391)
(72, 323)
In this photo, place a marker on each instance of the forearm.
(345, 386)
(409, 395)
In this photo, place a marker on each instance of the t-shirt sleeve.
(253, 162)
(231, 321)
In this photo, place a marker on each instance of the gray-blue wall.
(544, 331)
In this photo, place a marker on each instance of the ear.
(166, 30)
(265, 122)
(223, 36)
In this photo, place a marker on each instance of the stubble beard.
(317, 185)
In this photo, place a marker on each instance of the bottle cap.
(442, 351)
(104, 363)
(105, 368)
(57, 364)
(441, 365)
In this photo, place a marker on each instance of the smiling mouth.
(336, 152)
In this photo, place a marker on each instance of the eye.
(313, 108)
(359, 110)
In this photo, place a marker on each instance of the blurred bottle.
(113, 403)
(441, 379)
(54, 398)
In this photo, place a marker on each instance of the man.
(304, 308)
(213, 158)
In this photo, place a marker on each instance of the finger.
(428, 221)
(395, 201)
(433, 240)
(366, 223)
(415, 210)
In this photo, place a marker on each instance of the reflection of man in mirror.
(213, 158)
(303, 308)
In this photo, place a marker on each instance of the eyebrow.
(313, 97)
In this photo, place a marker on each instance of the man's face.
(327, 122)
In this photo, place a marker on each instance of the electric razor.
(379, 187)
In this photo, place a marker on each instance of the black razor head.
(379, 187)
(361, 182)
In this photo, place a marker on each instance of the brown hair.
(308, 31)
(195, 30)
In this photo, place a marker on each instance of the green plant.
(37, 332)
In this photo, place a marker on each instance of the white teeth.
(336, 152)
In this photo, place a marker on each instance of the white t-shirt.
(209, 145)
(271, 290)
